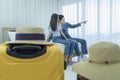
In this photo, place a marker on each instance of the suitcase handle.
(26, 51)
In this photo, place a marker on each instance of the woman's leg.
(77, 50)
(72, 47)
(67, 46)
(83, 45)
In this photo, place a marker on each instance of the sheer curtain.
(72, 10)
(14, 13)
(103, 20)
(26, 12)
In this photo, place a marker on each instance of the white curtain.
(14, 13)
(103, 19)
(26, 12)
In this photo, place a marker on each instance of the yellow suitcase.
(48, 65)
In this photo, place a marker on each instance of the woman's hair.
(53, 21)
(61, 16)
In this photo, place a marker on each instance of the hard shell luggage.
(31, 62)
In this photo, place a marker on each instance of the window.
(70, 12)
(103, 19)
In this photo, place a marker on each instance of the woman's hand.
(84, 22)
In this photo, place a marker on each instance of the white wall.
(15, 13)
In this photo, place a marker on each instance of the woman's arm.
(75, 25)
(49, 37)
(83, 22)
(72, 25)
(63, 35)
